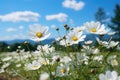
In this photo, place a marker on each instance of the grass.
(90, 71)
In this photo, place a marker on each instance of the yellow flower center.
(93, 30)
(63, 70)
(74, 38)
(39, 34)
(44, 62)
(35, 66)
(114, 62)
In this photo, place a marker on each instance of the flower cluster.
(71, 57)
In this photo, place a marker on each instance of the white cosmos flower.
(8, 47)
(88, 50)
(103, 30)
(62, 70)
(82, 58)
(103, 43)
(34, 65)
(18, 65)
(110, 75)
(38, 32)
(64, 42)
(46, 48)
(7, 58)
(19, 47)
(98, 58)
(5, 65)
(95, 28)
(56, 58)
(2, 71)
(112, 60)
(75, 37)
(66, 59)
(43, 61)
(118, 47)
(111, 33)
(58, 39)
(112, 44)
(88, 42)
(44, 76)
(95, 51)
(109, 44)
(99, 41)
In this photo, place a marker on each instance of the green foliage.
(3, 46)
(100, 15)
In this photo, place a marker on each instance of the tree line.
(4, 47)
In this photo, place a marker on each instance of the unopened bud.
(102, 34)
(67, 28)
(53, 42)
(92, 71)
(72, 29)
(58, 60)
(18, 51)
(26, 42)
(65, 25)
(57, 29)
(64, 37)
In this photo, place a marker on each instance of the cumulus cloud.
(20, 16)
(73, 4)
(61, 17)
(10, 29)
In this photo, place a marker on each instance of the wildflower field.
(69, 57)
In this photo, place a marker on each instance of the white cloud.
(14, 36)
(20, 16)
(21, 27)
(10, 29)
(61, 17)
(73, 4)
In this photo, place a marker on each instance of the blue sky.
(17, 15)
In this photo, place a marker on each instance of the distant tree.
(115, 21)
(28, 47)
(100, 15)
(3, 46)
(14, 46)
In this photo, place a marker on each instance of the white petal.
(114, 75)
(102, 77)
(108, 75)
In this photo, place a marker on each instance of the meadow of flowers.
(70, 57)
